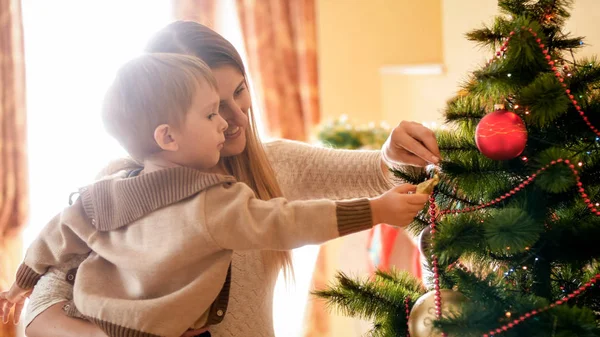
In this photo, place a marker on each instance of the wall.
(357, 37)
(422, 98)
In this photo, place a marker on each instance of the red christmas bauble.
(501, 135)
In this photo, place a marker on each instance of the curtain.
(281, 45)
(13, 160)
(201, 11)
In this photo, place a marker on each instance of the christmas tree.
(512, 231)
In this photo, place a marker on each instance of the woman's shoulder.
(278, 143)
(278, 148)
(285, 152)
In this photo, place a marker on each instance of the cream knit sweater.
(303, 172)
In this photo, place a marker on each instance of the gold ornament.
(427, 186)
(422, 315)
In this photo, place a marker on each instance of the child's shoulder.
(116, 166)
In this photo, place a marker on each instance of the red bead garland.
(556, 73)
(436, 275)
(407, 306)
(546, 308)
(525, 182)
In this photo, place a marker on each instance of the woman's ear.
(163, 135)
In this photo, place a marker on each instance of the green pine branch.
(530, 249)
(381, 300)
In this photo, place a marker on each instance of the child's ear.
(163, 135)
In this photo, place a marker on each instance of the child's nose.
(224, 124)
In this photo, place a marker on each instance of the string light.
(559, 76)
(532, 313)
(523, 184)
(535, 312)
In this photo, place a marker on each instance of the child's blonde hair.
(148, 91)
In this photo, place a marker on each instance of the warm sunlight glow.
(73, 49)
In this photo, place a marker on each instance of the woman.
(281, 168)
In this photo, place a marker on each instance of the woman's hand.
(410, 143)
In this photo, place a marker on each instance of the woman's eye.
(240, 90)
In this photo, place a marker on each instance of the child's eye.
(212, 115)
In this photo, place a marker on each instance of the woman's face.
(233, 107)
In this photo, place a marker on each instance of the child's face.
(201, 138)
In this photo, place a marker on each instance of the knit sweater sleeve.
(305, 172)
(237, 220)
(56, 244)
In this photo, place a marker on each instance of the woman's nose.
(234, 114)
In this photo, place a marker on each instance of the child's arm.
(237, 220)
(14, 297)
(57, 243)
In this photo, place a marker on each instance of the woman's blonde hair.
(252, 165)
(148, 91)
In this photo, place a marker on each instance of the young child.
(160, 242)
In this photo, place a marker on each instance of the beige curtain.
(13, 163)
(281, 44)
(201, 11)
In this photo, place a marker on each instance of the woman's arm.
(45, 316)
(309, 172)
(54, 323)
(306, 172)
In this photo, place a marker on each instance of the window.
(72, 51)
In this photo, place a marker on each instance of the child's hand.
(397, 207)
(14, 297)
